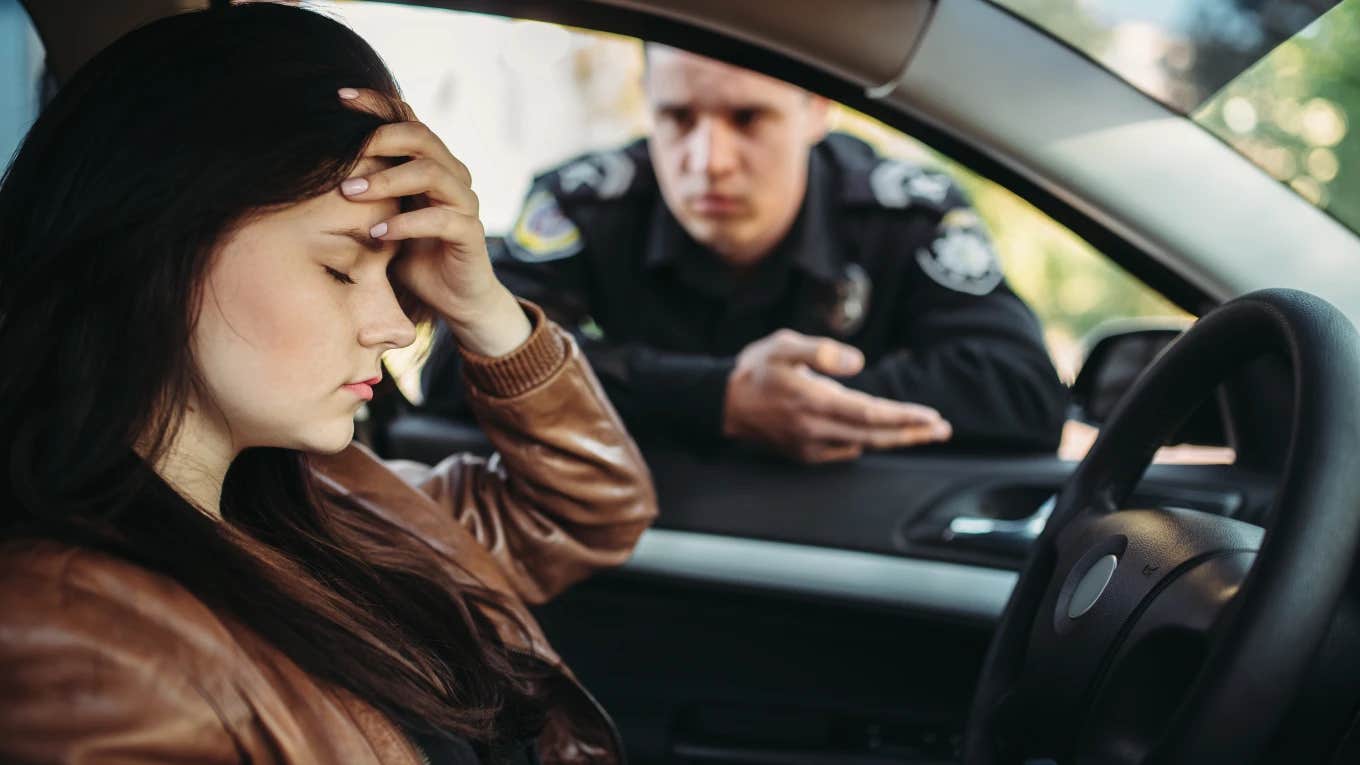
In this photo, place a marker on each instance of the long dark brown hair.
(109, 215)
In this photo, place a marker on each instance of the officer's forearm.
(663, 393)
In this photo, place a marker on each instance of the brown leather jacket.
(102, 661)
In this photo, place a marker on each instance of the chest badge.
(850, 306)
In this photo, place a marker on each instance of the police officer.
(742, 275)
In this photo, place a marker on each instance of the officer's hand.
(443, 259)
(780, 395)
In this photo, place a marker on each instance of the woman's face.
(297, 308)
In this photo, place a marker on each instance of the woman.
(206, 244)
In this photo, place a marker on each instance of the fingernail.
(349, 94)
(354, 186)
(377, 231)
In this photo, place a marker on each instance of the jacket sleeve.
(678, 396)
(977, 356)
(87, 679)
(567, 491)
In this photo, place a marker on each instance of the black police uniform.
(884, 255)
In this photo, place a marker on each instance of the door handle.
(1014, 536)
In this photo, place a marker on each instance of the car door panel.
(795, 614)
(897, 504)
(705, 673)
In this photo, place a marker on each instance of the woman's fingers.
(432, 170)
(418, 176)
(407, 138)
(414, 139)
(437, 222)
(374, 102)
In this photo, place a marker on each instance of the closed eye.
(339, 276)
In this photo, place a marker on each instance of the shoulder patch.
(898, 185)
(961, 257)
(606, 175)
(543, 232)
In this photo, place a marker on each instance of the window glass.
(1276, 79)
(1296, 113)
(1177, 51)
(514, 98)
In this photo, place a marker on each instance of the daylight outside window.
(522, 96)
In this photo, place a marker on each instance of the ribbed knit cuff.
(522, 369)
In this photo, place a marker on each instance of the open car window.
(522, 96)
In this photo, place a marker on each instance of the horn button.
(1110, 570)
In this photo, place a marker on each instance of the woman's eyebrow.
(361, 237)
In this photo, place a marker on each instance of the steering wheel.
(1172, 636)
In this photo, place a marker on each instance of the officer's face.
(730, 148)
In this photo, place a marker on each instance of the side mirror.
(1117, 353)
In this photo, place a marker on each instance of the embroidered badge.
(896, 184)
(961, 257)
(543, 233)
(608, 175)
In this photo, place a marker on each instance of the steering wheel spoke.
(1153, 668)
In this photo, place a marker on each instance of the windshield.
(1295, 113)
(1279, 81)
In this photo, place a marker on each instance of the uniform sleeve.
(969, 346)
(677, 396)
(567, 491)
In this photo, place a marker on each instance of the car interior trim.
(938, 587)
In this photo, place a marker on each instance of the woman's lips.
(363, 390)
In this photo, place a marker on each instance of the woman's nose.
(386, 324)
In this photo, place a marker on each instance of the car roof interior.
(1182, 211)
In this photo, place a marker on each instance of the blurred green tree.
(1295, 112)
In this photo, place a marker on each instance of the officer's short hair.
(649, 45)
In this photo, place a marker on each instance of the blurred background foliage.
(1278, 80)
(1293, 113)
